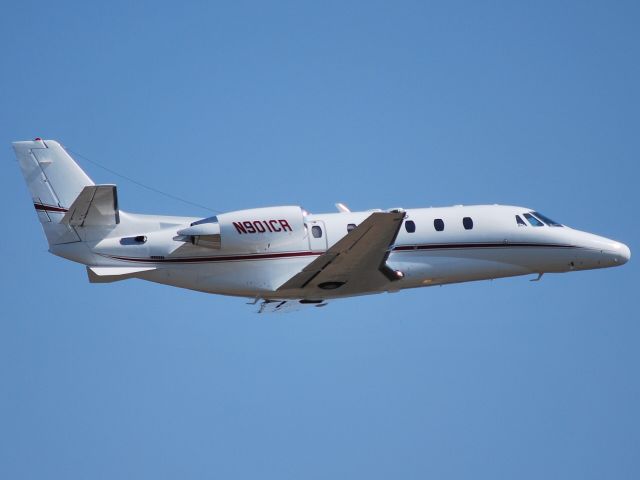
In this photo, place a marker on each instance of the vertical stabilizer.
(54, 180)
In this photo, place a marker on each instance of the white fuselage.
(254, 264)
(283, 253)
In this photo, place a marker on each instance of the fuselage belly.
(495, 247)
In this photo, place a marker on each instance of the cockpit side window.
(520, 221)
(533, 220)
(547, 220)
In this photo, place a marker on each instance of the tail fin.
(55, 180)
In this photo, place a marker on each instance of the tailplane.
(55, 181)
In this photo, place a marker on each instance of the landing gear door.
(317, 234)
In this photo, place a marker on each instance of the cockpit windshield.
(213, 219)
(547, 220)
(533, 220)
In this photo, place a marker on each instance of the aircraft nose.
(600, 252)
(622, 253)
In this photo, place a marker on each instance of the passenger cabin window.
(520, 221)
(533, 220)
(350, 227)
(438, 224)
(410, 226)
(547, 220)
(316, 231)
(467, 223)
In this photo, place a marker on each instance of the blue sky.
(376, 104)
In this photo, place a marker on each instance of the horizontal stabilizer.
(114, 274)
(97, 205)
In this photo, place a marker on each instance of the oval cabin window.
(410, 226)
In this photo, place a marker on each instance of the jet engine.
(251, 231)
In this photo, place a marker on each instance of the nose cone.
(598, 252)
(621, 253)
(611, 253)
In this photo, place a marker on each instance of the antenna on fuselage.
(141, 184)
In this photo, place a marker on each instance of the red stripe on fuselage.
(50, 208)
(218, 258)
(447, 246)
(271, 256)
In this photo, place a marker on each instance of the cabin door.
(317, 234)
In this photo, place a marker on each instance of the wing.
(355, 264)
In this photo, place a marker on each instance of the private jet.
(283, 258)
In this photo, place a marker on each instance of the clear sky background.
(375, 104)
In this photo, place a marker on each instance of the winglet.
(342, 208)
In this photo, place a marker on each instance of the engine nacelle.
(270, 229)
